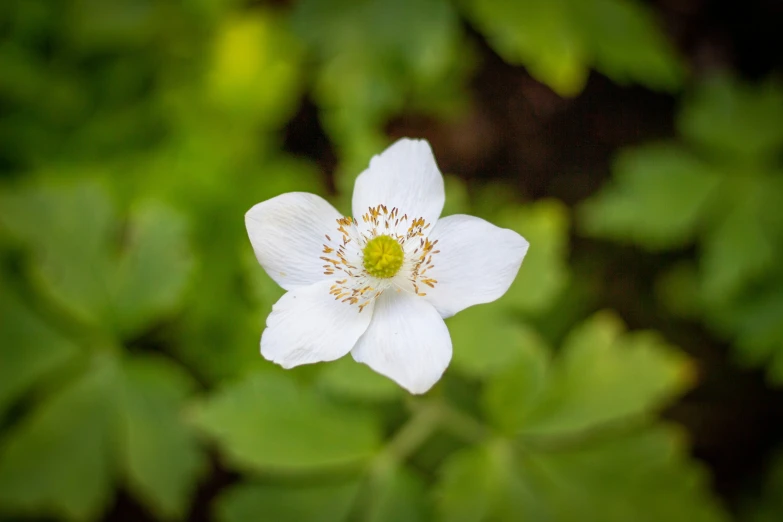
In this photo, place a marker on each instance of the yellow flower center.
(383, 257)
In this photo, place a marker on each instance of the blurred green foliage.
(135, 134)
(559, 41)
(719, 188)
(769, 507)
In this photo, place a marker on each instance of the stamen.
(391, 251)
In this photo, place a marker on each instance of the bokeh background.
(632, 373)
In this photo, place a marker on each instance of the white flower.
(379, 284)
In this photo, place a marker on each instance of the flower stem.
(425, 419)
(462, 424)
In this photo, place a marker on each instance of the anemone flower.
(378, 284)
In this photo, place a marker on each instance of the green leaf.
(544, 272)
(757, 323)
(152, 274)
(74, 235)
(487, 341)
(368, 70)
(740, 247)
(511, 395)
(558, 41)
(725, 199)
(396, 494)
(643, 477)
(538, 34)
(68, 229)
(227, 271)
(347, 378)
(391, 61)
(740, 276)
(768, 506)
(59, 459)
(628, 43)
(160, 453)
(204, 333)
(581, 389)
(30, 348)
(286, 503)
(734, 119)
(149, 276)
(658, 198)
(479, 484)
(268, 422)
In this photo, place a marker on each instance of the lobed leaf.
(486, 340)
(659, 198)
(544, 272)
(59, 460)
(559, 41)
(267, 422)
(30, 349)
(396, 494)
(642, 476)
(602, 375)
(80, 260)
(349, 379)
(734, 120)
(260, 501)
(160, 455)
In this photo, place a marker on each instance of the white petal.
(404, 176)
(308, 325)
(406, 341)
(288, 234)
(476, 264)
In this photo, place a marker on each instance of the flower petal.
(476, 264)
(406, 341)
(308, 325)
(287, 233)
(404, 176)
